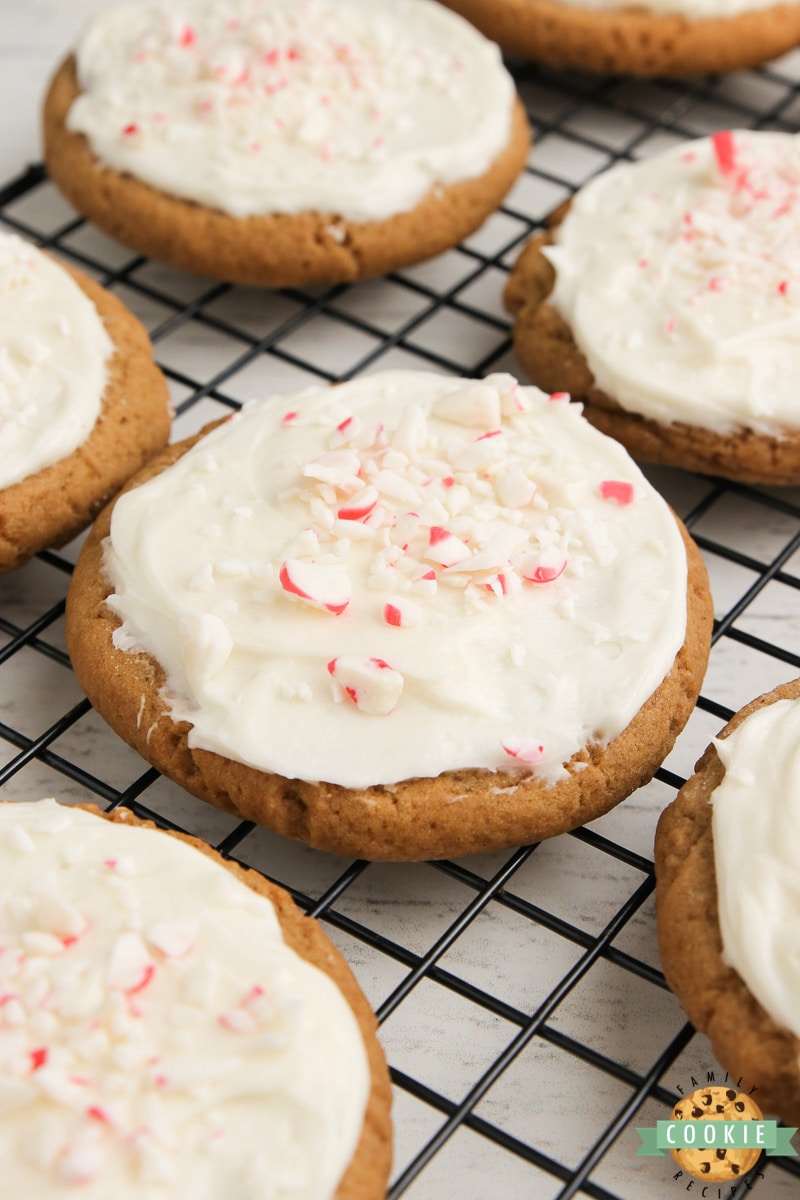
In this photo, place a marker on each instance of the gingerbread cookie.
(727, 842)
(663, 37)
(667, 299)
(82, 404)
(407, 617)
(717, 1104)
(173, 1026)
(283, 144)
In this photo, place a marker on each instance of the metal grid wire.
(522, 1006)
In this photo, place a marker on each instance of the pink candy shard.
(401, 613)
(445, 548)
(38, 1057)
(359, 505)
(544, 572)
(545, 566)
(724, 151)
(617, 490)
(143, 981)
(392, 614)
(559, 397)
(526, 750)
(130, 967)
(499, 584)
(372, 685)
(322, 585)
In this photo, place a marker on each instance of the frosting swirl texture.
(52, 362)
(679, 276)
(335, 106)
(400, 576)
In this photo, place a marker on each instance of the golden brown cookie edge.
(274, 250)
(633, 40)
(50, 507)
(545, 347)
(716, 1000)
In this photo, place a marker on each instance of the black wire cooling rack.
(522, 1007)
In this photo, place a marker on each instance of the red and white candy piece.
(402, 612)
(524, 750)
(511, 398)
(346, 432)
(486, 449)
(544, 567)
(372, 685)
(322, 585)
(505, 583)
(360, 504)
(130, 967)
(724, 151)
(445, 548)
(617, 490)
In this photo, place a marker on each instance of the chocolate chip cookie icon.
(720, 1164)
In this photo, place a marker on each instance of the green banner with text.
(715, 1135)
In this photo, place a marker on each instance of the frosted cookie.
(409, 616)
(662, 37)
(173, 1027)
(727, 899)
(82, 404)
(667, 298)
(280, 144)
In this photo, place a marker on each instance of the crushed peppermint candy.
(125, 1054)
(250, 114)
(724, 151)
(407, 530)
(372, 685)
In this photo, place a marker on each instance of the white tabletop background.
(559, 1098)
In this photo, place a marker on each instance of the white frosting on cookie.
(694, 9)
(756, 828)
(350, 107)
(680, 279)
(158, 1039)
(399, 576)
(53, 354)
